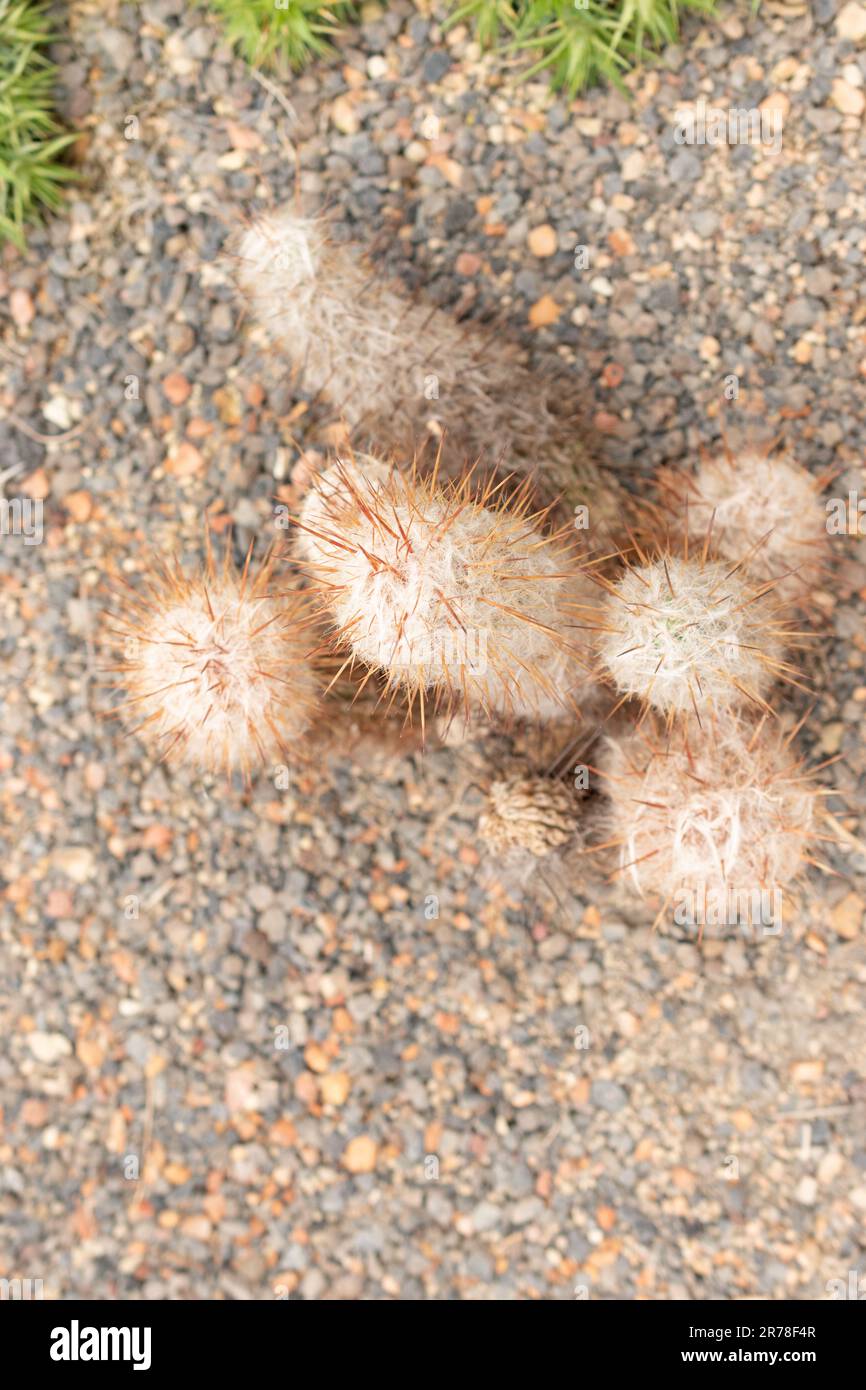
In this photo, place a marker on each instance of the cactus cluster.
(709, 803)
(435, 566)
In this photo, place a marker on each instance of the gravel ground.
(244, 1059)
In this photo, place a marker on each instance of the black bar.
(242, 1338)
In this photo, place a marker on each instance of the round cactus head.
(277, 257)
(214, 666)
(759, 510)
(688, 634)
(713, 814)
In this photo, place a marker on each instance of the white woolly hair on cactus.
(331, 493)
(718, 810)
(400, 370)
(761, 510)
(214, 666)
(685, 633)
(451, 588)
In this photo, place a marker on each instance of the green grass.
(31, 174)
(577, 42)
(281, 36)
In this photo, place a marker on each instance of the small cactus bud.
(535, 814)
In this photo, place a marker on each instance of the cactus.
(451, 589)
(412, 572)
(538, 815)
(761, 511)
(719, 810)
(214, 667)
(685, 634)
(398, 369)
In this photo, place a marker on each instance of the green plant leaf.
(490, 18)
(578, 42)
(31, 175)
(281, 34)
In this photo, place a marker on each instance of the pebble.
(633, 166)
(542, 241)
(486, 1217)
(846, 917)
(49, 1047)
(79, 505)
(58, 411)
(467, 264)
(807, 1192)
(76, 862)
(830, 1166)
(544, 312)
(176, 387)
(185, 461)
(360, 1154)
(21, 307)
(335, 1087)
(435, 66)
(608, 1095)
(685, 165)
(851, 22)
(273, 923)
(847, 99)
